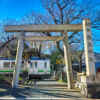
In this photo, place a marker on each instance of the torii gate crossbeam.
(44, 28)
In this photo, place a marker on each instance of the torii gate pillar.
(18, 63)
(88, 80)
(88, 47)
(67, 61)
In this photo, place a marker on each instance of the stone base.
(90, 87)
(93, 90)
(90, 90)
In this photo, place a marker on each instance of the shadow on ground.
(8, 91)
(28, 92)
(31, 92)
(56, 93)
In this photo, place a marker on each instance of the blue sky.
(16, 9)
(19, 8)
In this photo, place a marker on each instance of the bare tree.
(69, 12)
(66, 12)
(63, 12)
(6, 37)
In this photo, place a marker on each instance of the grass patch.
(20, 78)
(60, 81)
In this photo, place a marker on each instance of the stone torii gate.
(86, 27)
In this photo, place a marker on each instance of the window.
(6, 64)
(45, 65)
(35, 64)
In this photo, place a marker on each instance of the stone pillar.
(18, 61)
(67, 62)
(88, 47)
(88, 85)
